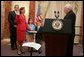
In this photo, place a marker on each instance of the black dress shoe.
(15, 47)
(12, 48)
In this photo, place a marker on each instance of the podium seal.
(57, 24)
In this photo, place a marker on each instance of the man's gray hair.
(68, 6)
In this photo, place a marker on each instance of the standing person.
(21, 26)
(32, 27)
(39, 24)
(11, 18)
(30, 35)
(70, 15)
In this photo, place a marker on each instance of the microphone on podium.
(56, 14)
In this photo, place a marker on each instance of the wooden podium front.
(56, 42)
(55, 45)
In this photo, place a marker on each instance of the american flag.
(38, 17)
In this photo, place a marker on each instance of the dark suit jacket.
(71, 15)
(11, 18)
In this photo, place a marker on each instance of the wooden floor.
(6, 51)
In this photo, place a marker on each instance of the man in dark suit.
(70, 15)
(11, 18)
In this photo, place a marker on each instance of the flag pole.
(46, 10)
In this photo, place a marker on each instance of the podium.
(56, 41)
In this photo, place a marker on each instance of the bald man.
(70, 15)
